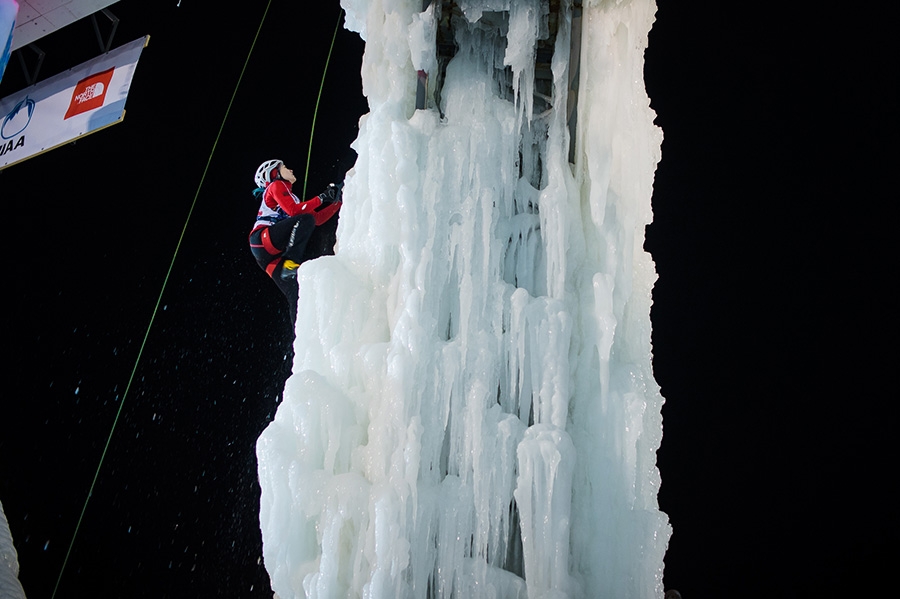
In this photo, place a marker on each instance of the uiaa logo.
(18, 119)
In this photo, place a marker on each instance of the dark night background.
(774, 333)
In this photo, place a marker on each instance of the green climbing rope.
(319, 97)
(158, 302)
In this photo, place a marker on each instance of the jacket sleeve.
(279, 192)
(324, 215)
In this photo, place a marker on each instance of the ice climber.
(288, 231)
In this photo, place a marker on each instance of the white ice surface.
(472, 410)
(10, 587)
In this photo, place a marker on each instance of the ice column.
(472, 411)
(10, 587)
(621, 535)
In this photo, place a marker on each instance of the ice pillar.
(472, 410)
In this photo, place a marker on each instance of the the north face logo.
(89, 93)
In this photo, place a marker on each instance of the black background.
(774, 335)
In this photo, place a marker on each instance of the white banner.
(64, 107)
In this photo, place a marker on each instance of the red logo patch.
(89, 93)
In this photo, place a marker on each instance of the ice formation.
(472, 411)
(10, 587)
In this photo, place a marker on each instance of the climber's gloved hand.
(333, 193)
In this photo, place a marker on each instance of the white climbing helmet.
(264, 172)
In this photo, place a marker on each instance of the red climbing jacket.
(280, 202)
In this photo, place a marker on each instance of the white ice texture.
(10, 587)
(472, 411)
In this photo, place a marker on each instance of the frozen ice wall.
(10, 587)
(472, 411)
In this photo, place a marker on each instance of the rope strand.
(319, 97)
(156, 307)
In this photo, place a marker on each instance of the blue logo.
(15, 123)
